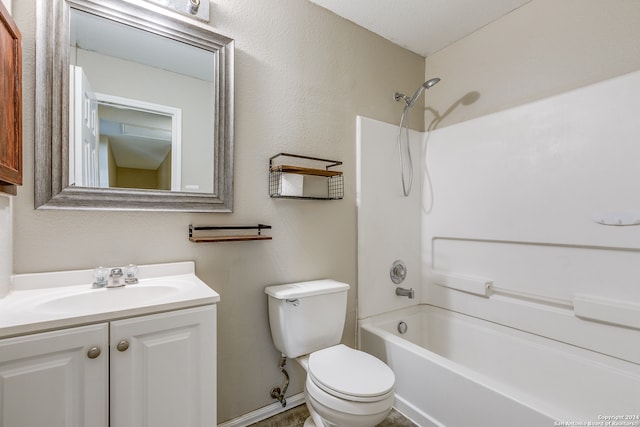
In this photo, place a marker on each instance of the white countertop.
(44, 301)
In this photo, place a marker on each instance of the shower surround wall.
(388, 222)
(512, 199)
(515, 194)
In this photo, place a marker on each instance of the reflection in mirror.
(118, 60)
(135, 148)
(149, 110)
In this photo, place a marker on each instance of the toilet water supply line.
(276, 393)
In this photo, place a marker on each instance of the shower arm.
(410, 101)
(401, 96)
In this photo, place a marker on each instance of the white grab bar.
(473, 285)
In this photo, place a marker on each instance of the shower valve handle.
(398, 272)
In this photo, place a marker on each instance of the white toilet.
(344, 387)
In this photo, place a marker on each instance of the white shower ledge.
(44, 301)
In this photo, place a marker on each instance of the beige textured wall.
(301, 77)
(6, 243)
(542, 49)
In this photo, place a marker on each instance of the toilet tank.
(307, 316)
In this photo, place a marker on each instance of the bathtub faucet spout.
(402, 292)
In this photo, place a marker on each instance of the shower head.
(426, 85)
(431, 83)
(410, 101)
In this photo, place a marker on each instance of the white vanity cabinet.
(56, 379)
(163, 370)
(154, 370)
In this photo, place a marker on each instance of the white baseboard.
(264, 413)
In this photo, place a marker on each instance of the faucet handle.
(398, 271)
(131, 274)
(100, 277)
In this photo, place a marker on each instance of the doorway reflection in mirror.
(137, 111)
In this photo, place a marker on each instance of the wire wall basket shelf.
(310, 178)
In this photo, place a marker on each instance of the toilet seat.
(350, 374)
(318, 399)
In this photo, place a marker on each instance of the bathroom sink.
(59, 299)
(110, 299)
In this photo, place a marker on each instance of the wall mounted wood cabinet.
(10, 103)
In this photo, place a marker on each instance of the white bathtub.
(459, 371)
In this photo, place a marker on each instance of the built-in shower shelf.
(288, 181)
(213, 238)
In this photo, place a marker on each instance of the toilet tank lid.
(305, 289)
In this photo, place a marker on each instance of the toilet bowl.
(344, 387)
(347, 387)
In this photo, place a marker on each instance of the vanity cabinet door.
(55, 379)
(163, 369)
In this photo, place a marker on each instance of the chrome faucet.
(402, 292)
(115, 279)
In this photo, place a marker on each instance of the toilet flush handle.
(294, 301)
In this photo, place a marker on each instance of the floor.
(295, 418)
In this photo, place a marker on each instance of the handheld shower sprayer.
(410, 101)
(406, 188)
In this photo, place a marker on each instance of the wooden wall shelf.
(226, 237)
(305, 171)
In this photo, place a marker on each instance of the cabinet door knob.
(93, 352)
(123, 345)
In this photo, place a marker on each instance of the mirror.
(135, 109)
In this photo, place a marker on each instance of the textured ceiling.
(422, 26)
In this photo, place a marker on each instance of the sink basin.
(109, 299)
(60, 299)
